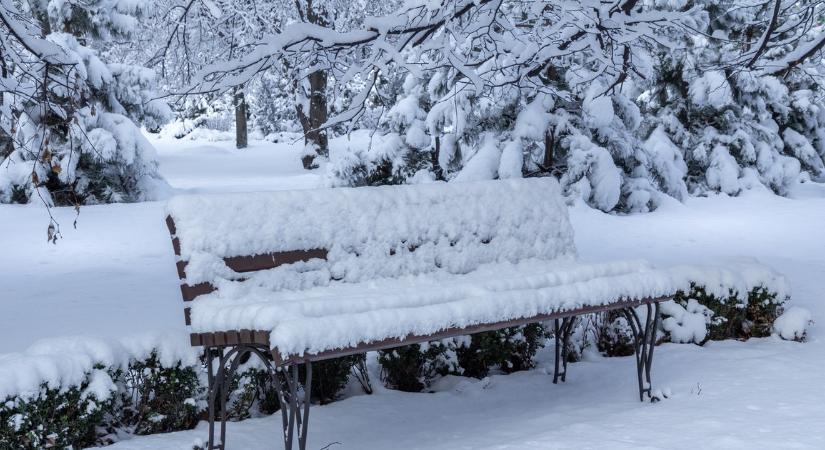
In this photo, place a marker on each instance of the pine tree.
(75, 140)
(737, 124)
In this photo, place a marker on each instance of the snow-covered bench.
(302, 276)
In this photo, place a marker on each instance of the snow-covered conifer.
(74, 135)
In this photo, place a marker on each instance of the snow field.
(114, 277)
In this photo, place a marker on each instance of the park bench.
(301, 276)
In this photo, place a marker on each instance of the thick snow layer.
(439, 235)
(61, 363)
(793, 323)
(346, 314)
(426, 226)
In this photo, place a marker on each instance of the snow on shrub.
(699, 315)
(412, 368)
(75, 392)
(508, 350)
(688, 323)
(82, 392)
(614, 336)
(793, 323)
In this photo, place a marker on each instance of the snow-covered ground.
(114, 276)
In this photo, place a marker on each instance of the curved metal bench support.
(644, 341)
(296, 421)
(563, 330)
(293, 397)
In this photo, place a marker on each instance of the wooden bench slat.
(235, 337)
(190, 293)
(268, 261)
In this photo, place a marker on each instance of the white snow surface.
(793, 323)
(444, 221)
(450, 278)
(113, 277)
(345, 314)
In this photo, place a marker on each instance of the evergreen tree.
(74, 135)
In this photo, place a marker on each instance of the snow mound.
(793, 323)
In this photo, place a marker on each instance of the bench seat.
(338, 316)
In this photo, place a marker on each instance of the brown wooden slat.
(223, 338)
(260, 336)
(176, 245)
(189, 293)
(181, 266)
(451, 332)
(170, 224)
(267, 261)
(243, 264)
(187, 315)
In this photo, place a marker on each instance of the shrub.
(254, 393)
(509, 349)
(57, 418)
(614, 337)
(330, 376)
(697, 316)
(732, 318)
(159, 399)
(412, 368)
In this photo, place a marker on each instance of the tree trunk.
(311, 121)
(240, 119)
(6, 143)
(549, 151)
(437, 170)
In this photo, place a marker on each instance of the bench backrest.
(301, 239)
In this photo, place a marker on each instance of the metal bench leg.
(294, 406)
(220, 384)
(644, 341)
(563, 329)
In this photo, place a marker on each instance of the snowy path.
(114, 275)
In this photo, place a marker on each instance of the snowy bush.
(508, 350)
(412, 368)
(154, 394)
(58, 418)
(698, 316)
(614, 336)
(330, 377)
(158, 399)
(792, 325)
(253, 393)
(143, 398)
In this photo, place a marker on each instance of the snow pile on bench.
(377, 232)
(410, 260)
(346, 314)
